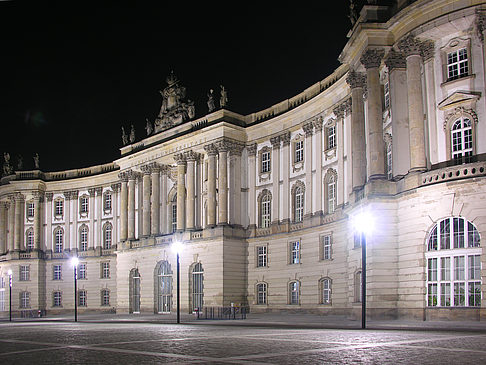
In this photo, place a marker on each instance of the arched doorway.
(134, 289)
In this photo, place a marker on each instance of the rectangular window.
(299, 151)
(83, 204)
(265, 161)
(474, 267)
(82, 271)
(261, 256)
(107, 202)
(57, 299)
(24, 299)
(58, 207)
(82, 296)
(105, 270)
(24, 273)
(331, 137)
(457, 64)
(262, 293)
(30, 210)
(326, 247)
(57, 272)
(266, 212)
(294, 292)
(105, 297)
(295, 252)
(326, 291)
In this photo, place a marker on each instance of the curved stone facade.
(264, 204)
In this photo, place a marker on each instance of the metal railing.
(222, 313)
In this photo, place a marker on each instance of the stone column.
(211, 185)
(91, 242)
(146, 169)
(412, 49)
(131, 204)
(371, 59)
(74, 232)
(99, 216)
(67, 220)
(285, 138)
(318, 122)
(3, 227)
(223, 147)
(155, 207)
(38, 199)
(49, 197)
(251, 149)
(11, 224)
(19, 221)
(181, 191)
(164, 171)
(199, 190)
(123, 206)
(356, 82)
(397, 80)
(191, 158)
(428, 52)
(115, 233)
(309, 131)
(235, 184)
(275, 141)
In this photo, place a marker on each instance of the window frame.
(105, 270)
(295, 251)
(84, 205)
(325, 289)
(57, 299)
(24, 272)
(57, 272)
(261, 255)
(83, 238)
(294, 292)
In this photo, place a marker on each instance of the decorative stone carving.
(115, 187)
(211, 149)
(191, 155)
(457, 113)
(146, 169)
(236, 148)
(210, 103)
(481, 25)
(174, 109)
(36, 161)
(428, 49)
(252, 148)
(395, 60)
(347, 104)
(148, 127)
(132, 134)
(410, 46)
(308, 128)
(223, 101)
(372, 57)
(99, 191)
(275, 141)
(180, 158)
(285, 138)
(49, 196)
(91, 191)
(20, 163)
(318, 123)
(356, 79)
(124, 137)
(339, 111)
(7, 168)
(353, 15)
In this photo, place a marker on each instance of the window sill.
(451, 82)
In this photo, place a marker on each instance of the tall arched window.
(261, 293)
(173, 212)
(325, 287)
(357, 287)
(83, 238)
(58, 240)
(29, 239)
(294, 293)
(197, 286)
(453, 264)
(461, 138)
(298, 201)
(164, 287)
(134, 289)
(265, 207)
(107, 235)
(330, 192)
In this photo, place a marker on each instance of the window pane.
(459, 294)
(474, 265)
(459, 268)
(432, 296)
(432, 273)
(445, 294)
(474, 294)
(458, 232)
(445, 268)
(445, 239)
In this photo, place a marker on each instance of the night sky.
(72, 75)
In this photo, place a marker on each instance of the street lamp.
(9, 272)
(363, 224)
(177, 248)
(75, 262)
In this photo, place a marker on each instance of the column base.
(417, 169)
(377, 177)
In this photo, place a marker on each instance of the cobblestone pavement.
(152, 343)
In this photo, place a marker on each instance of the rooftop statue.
(7, 168)
(223, 101)
(174, 109)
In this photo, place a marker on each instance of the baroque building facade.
(264, 203)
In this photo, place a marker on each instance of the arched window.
(58, 240)
(357, 287)
(325, 288)
(164, 287)
(298, 201)
(261, 293)
(197, 286)
(461, 138)
(134, 289)
(83, 238)
(107, 236)
(173, 212)
(265, 208)
(29, 239)
(294, 293)
(330, 192)
(453, 264)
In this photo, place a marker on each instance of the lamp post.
(75, 263)
(9, 272)
(177, 248)
(363, 225)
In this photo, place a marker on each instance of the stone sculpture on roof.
(175, 110)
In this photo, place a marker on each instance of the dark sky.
(72, 75)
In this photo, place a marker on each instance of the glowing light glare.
(75, 261)
(9, 272)
(177, 247)
(363, 222)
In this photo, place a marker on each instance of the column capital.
(191, 156)
(236, 148)
(308, 128)
(74, 194)
(115, 187)
(211, 149)
(371, 58)
(285, 138)
(146, 169)
(38, 195)
(356, 79)
(19, 196)
(481, 24)
(223, 145)
(275, 141)
(99, 191)
(395, 60)
(91, 191)
(318, 123)
(339, 111)
(251, 148)
(410, 46)
(180, 159)
(49, 196)
(428, 49)
(4, 204)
